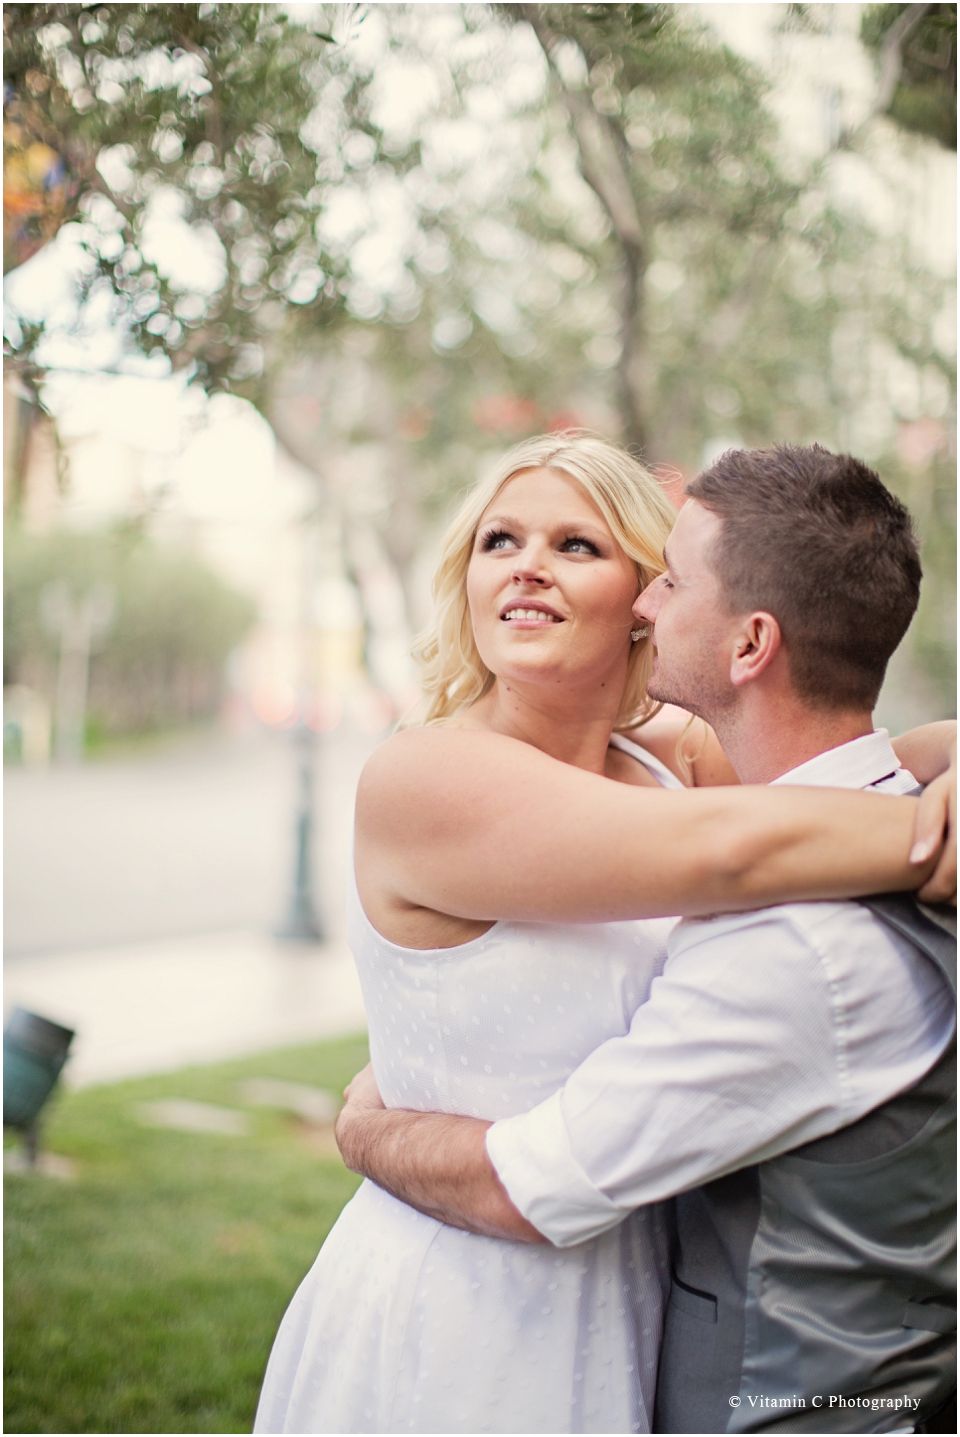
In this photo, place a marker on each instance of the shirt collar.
(857, 764)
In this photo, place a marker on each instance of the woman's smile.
(529, 615)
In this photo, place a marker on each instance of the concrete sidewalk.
(154, 1007)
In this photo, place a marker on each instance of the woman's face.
(549, 588)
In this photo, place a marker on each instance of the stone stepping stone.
(314, 1105)
(190, 1117)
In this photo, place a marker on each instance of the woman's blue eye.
(575, 545)
(497, 539)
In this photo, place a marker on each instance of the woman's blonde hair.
(640, 517)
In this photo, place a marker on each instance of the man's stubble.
(693, 685)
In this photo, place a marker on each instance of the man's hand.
(433, 1161)
(936, 825)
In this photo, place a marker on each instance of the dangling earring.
(643, 633)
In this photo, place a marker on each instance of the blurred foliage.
(746, 273)
(724, 299)
(248, 120)
(925, 97)
(701, 278)
(144, 1295)
(930, 648)
(161, 663)
(588, 217)
(204, 104)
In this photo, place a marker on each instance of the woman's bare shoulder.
(440, 772)
(414, 747)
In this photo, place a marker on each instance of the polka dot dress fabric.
(405, 1325)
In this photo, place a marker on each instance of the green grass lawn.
(143, 1295)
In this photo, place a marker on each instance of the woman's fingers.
(936, 825)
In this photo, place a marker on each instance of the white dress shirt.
(766, 1030)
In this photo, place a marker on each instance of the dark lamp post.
(301, 924)
(34, 1052)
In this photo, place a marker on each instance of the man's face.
(692, 630)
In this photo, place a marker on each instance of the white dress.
(406, 1325)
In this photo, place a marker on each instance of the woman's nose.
(531, 567)
(524, 574)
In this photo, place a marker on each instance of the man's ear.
(756, 644)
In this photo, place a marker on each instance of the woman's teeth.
(532, 614)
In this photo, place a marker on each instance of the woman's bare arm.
(928, 751)
(689, 748)
(481, 826)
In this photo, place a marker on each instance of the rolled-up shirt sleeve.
(765, 1031)
(535, 1162)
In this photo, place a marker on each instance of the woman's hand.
(362, 1091)
(363, 1100)
(937, 824)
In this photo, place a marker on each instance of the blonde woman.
(516, 855)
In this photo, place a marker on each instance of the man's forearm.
(436, 1163)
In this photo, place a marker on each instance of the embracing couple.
(629, 1174)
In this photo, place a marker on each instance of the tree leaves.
(205, 101)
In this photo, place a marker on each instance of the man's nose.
(646, 607)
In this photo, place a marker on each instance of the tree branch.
(602, 166)
(605, 172)
(891, 55)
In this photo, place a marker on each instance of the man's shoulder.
(821, 927)
(836, 958)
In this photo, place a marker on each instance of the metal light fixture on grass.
(34, 1052)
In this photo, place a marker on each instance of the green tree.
(249, 125)
(692, 283)
(714, 251)
(205, 105)
(162, 661)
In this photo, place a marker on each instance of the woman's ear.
(756, 644)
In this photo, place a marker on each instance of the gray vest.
(827, 1272)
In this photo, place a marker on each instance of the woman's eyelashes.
(500, 539)
(495, 539)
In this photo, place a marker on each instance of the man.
(790, 1076)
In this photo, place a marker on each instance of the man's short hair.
(816, 540)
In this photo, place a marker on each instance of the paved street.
(194, 836)
(141, 893)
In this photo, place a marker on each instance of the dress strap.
(664, 776)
